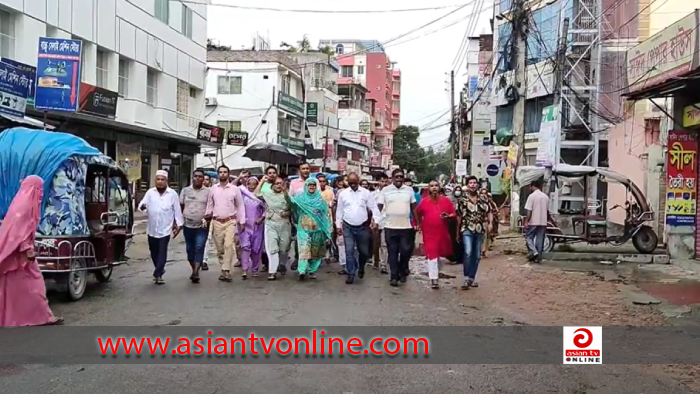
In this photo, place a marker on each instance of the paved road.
(132, 299)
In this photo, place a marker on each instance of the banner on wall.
(129, 159)
(682, 172)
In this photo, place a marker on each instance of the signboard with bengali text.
(682, 173)
(667, 54)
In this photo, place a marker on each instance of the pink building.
(366, 63)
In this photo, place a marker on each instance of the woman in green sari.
(313, 229)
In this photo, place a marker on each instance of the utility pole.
(520, 22)
(461, 128)
(325, 148)
(452, 123)
(558, 84)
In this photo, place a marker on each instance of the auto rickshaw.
(87, 213)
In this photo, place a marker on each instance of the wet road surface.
(132, 299)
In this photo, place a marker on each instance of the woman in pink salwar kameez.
(22, 290)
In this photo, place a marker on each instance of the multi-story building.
(255, 92)
(149, 52)
(367, 61)
(320, 74)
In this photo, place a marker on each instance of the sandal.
(312, 276)
(160, 281)
(256, 274)
(244, 276)
(302, 277)
(272, 277)
(195, 278)
(222, 277)
(57, 321)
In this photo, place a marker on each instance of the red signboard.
(682, 171)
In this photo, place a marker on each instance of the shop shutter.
(697, 214)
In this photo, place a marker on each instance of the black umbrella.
(271, 153)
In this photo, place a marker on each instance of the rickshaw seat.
(597, 222)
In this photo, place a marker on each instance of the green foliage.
(215, 47)
(427, 163)
(303, 45)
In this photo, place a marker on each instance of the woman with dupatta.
(22, 290)
(252, 234)
(491, 236)
(434, 213)
(278, 228)
(313, 229)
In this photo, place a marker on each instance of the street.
(131, 298)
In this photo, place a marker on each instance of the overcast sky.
(425, 62)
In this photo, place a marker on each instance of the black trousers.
(159, 254)
(399, 246)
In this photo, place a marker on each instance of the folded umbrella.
(271, 153)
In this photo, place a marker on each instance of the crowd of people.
(255, 223)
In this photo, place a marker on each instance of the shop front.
(666, 66)
(139, 150)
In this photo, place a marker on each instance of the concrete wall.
(125, 29)
(259, 82)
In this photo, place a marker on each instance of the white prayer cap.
(162, 173)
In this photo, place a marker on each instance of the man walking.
(351, 223)
(474, 218)
(164, 221)
(193, 200)
(205, 263)
(397, 202)
(537, 206)
(409, 182)
(378, 243)
(225, 207)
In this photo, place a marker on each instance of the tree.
(327, 50)
(304, 45)
(427, 164)
(215, 47)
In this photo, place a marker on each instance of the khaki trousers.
(225, 241)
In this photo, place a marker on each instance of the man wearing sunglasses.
(397, 202)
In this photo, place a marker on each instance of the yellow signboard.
(129, 159)
(691, 115)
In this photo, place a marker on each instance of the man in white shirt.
(537, 206)
(351, 222)
(378, 243)
(397, 201)
(164, 221)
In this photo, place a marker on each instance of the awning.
(121, 126)
(26, 120)
(352, 144)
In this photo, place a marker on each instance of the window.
(152, 87)
(286, 84)
(102, 69)
(187, 21)
(7, 34)
(194, 92)
(395, 104)
(229, 85)
(123, 77)
(339, 49)
(360, 70)
(183, 99)
(162, 10)
(346, 71)
(396, 86)
(284, 127)
(229, 125)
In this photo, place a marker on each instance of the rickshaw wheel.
(645, 240)
(104, 274)
(548, 244)
(77, 280)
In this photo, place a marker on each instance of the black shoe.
(342, 272)
(361, 274)
(403, 279)
(160, 281)
(394, 283)
(205, 267)
(434, 284)
(350, 279)
(384, 271)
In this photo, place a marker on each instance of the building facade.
(367, 62)
(151, 53)
(258, 93)
(671, 82)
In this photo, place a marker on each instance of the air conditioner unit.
(211, 101)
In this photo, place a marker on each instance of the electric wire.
(310, 11)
